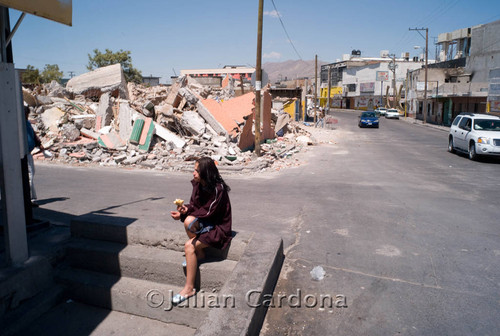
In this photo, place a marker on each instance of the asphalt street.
(408, 234)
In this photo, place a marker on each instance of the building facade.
(365, 83)
(465, 79)
(214, 77)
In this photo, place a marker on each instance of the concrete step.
(74, 318)
(144, 262)
(15, 320)
(133, 296)
(168, 234)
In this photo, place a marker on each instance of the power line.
(428, 18)
(283, 25)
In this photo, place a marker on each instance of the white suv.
(475, 134)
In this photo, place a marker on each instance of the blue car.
(368, 119)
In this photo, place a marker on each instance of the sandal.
(178, 299)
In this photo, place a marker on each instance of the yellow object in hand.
(179, 202)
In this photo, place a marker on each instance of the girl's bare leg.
(192, 248)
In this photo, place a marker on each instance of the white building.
(362, 82)
(466, 78)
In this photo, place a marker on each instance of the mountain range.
(278, 71)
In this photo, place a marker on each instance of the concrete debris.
(55, 89)
(70, 132)
(106, 79)
(99, 119)
(305, 140)
(193, 123)
(104, 111)
(51, 119)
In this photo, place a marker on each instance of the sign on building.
(382, 76)
(494, 91)
(367, 87)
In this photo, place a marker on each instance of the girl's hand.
(175, 215)
(182, 209)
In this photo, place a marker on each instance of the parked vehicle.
(476, 134)
(381, 111)
(392, 114)
(368, 119)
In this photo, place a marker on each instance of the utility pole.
(424, 110)
(315, 86)
(71, 74)
(258, 78)
(392, 67)
(406, 94)
(329, 87)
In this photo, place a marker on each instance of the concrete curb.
(420, 123)
(251, 282)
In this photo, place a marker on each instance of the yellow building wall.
(335, 90)
(290, 108)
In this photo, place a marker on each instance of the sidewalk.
(427, 124)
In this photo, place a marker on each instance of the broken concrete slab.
(125, 120)
(51, 119)
(84, 121)
(283, 120)
(89, 134)
(136, 131)
(247, 138)
(111, 140)
(55, 89)
(147, 134)
(206, 114)
(190, 96)
(105, 109)
(267, 103)
(106, 79)
(70, 132)
(173, 97)
(43, 100)
(304, 140)
(165, 109)
(231, 112)
(169, 136)
(193, 123)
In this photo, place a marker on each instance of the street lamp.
(418, 48)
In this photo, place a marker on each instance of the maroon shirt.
(213, 208)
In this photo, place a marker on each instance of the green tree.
(31, 75)
(51, 72)
(100, 59)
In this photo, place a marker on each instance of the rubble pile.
(100, 119)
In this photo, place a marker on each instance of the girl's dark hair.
(210, 174)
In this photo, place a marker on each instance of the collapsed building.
(99, 118)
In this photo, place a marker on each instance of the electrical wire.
(438, 11)
(283, 25)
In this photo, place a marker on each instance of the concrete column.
(13, 216)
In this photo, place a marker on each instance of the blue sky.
(166, 36)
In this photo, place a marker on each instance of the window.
(486, 125)
(465, 123)
(456, 121)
